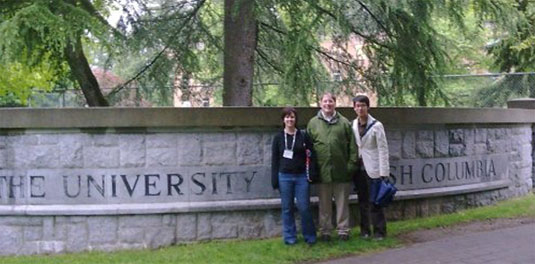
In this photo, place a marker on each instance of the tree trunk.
(420, 94)
(82, 73)
(421, 91)
(240, 44)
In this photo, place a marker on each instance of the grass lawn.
(274, 251)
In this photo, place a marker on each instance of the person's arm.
(309, 131)
(353, 151)
(275, 154)
(382, 146)
(313, 166)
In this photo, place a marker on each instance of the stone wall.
(461, 141)
(58, 234)
(513, 142)
(526, 103)
(110, 188)
(59, 154)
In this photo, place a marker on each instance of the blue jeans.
(296, 186)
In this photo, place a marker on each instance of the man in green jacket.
(336, 153)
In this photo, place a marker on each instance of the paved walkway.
(514, 245)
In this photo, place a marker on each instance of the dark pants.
(378, 221)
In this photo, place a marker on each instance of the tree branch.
(266, 59)
(88, 7)
(280, 31)
(318, 50)
(324, 53)
(375, 18)
(148, 65)
(351, 27)
(212, 39)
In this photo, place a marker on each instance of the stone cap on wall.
(525, 103)
(248, 117)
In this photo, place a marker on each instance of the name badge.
(288, 154)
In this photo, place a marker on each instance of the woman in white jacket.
(373, 164)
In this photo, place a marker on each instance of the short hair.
(286, 111)
(361, 99)
(328, 94)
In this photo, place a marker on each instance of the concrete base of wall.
(24, 235)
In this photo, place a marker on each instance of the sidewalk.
(514, 245)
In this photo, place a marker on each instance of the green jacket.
(335, 147)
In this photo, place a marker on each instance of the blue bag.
(382, 192)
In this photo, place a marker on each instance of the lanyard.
(286, 141)
(368, 128)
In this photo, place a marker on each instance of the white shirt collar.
(328, 118)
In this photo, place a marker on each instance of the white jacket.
(373, 148)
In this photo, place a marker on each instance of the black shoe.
(325, 238)
(344, 237)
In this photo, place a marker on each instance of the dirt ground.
(459, 229)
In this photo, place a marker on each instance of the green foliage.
(411, 53)
(164, 44)
(168, 41)
(38, 31)
(511, 50)
(398, 37)
(504, 88)
(17, 82)
(292, 53)
(520, 207)
(464, 42)
(403, 51)
(472, 31)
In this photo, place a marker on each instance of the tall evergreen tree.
(34, 31)
(169, 40)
